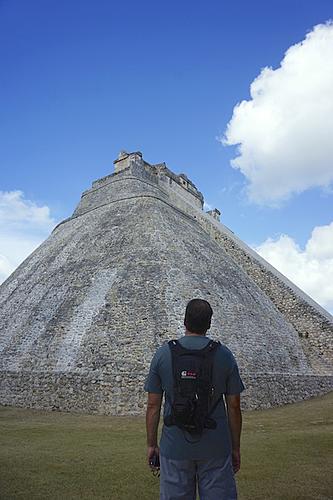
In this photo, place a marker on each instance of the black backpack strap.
(175, 349)
(208, 353)
(210, 423)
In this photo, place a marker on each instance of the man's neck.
(193, 334)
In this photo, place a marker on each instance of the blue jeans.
(180, 478)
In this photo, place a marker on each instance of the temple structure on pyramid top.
(81, 317)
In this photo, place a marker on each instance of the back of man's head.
(198, 316)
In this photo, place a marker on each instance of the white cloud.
(16, 210)
(5, 268)
(284, 133)
(207, 206)
(23, 226)
(310, 269)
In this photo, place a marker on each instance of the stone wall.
(183, 188)
(118, 394)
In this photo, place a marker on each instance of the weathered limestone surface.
(82, 316)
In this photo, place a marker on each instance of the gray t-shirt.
(214, 443)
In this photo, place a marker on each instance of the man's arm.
(235, 426)
(152, 421)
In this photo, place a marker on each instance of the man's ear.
(209, 325)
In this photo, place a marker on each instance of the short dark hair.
(198, 316)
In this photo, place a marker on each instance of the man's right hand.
(236, 460)
(151, 452)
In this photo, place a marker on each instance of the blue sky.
(82, 80)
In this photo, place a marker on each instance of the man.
(211, 460)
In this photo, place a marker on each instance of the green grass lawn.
(286, 454)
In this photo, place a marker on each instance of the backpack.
(193, 388)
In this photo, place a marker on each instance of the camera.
(155, 461)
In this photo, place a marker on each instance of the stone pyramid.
(83, 314)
